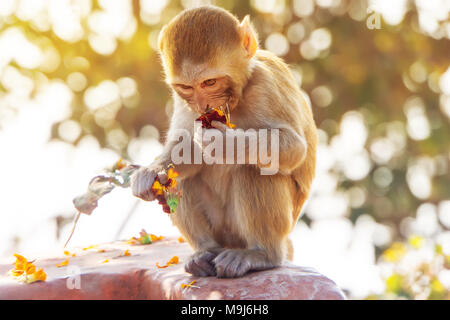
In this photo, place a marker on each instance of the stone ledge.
(137, 277)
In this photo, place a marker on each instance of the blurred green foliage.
(413, 269)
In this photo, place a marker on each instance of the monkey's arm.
(142, 180)
(292, 148)
(283, 144)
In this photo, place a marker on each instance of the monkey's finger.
(162, 176)
(205, 263)
(200, 270)
(135, 184)
(147, 194)
(142, 183)
(219, 125)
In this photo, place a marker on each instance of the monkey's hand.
(234, 263)
(143, 179)
(201, 264)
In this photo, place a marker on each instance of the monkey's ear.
(248, 36)
(161, 37)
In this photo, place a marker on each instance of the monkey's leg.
(262, 207)
(193, 224)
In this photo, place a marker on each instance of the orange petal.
(39, 275)
(172, 173)
(161, 267)
(120, 164)
(30, 269)
(20, 258)
(155, 238)
(21, 262)
(157, 187)
(15, 273)
(174, 260)
(63, 264)
(105, 261)
(132, 240)
(90, 247)
(190, 285)
(180, 239)
(173, 183)
(127, 253)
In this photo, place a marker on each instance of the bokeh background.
(81, 86)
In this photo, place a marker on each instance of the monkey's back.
(296, 112)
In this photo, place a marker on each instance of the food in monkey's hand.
(119, 176)
(215, 114)
(166, 193)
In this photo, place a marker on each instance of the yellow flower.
(395, 252)
(39, 275)
(155, 238)
(63, 264)
(25, 271)
(190, 285)
(157, 188)
(174, 260)
(67, 253)
(21, 262)
(172, 174)
(90, 247)
(394, 283)
(30, 269)
(120, 164)
(416, 242)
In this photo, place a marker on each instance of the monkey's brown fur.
(236, 219)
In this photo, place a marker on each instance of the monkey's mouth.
(221, 114)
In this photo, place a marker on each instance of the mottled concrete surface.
(137, 277)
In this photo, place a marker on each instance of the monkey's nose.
(203, 107)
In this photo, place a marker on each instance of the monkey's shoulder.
(271, 61)
(271, 89)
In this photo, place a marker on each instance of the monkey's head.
(206, 54)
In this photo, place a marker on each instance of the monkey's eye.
(184, 87)
(209, 82)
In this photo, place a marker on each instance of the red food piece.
(212, 115)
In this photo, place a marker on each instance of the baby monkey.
(235, 218)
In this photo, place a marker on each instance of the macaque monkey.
(236, 219)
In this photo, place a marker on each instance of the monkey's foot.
(201, 264)
(234, 263)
